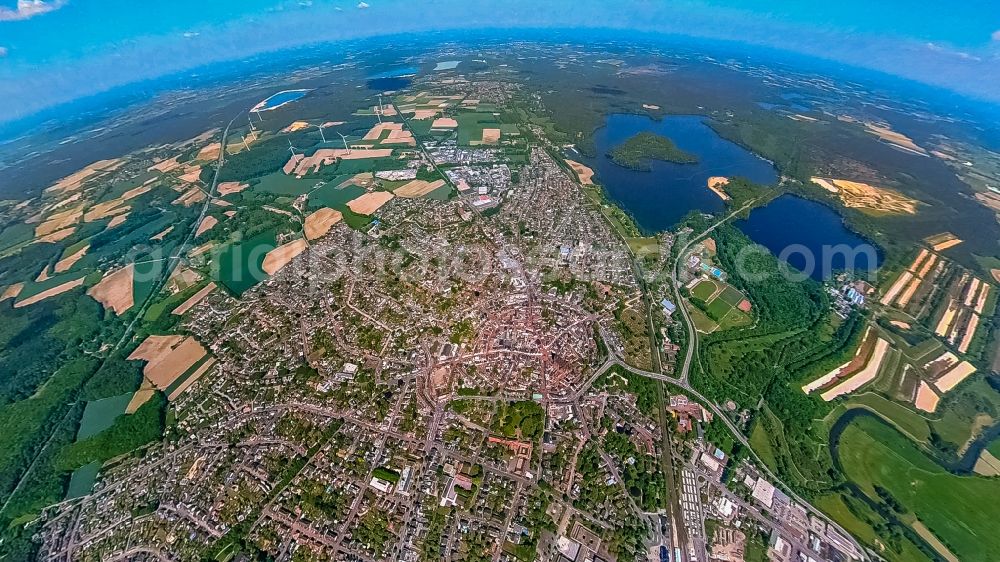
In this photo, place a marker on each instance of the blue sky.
(53, 51)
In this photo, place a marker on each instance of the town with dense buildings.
(417, 330)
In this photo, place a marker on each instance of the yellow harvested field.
(190, 197)
(369, 202)
(863, 377)
(57, 290)
(141, 396)
(900, 324)
(167, 357)
(195, 299)
(970, 331)
(946, 319)
(229, 187)
(364, 179)
(165, 165)
(421, 114)
(58, 235)
(319, 223)
(996, 274)
(953, 377)
(924, 269)
(915, 266)
(230, 214)
(117, 221)
(209, 152)
(971, 291)
(947, 244)
(444, 123)
(207, 223)
(11, 291)
(934, 542)
(491, 136)
(73, 181)
(59, 221)
(159, 236)
(894, 138)
(987, 464)
(105, 210)
(943, 241)
(280, 256)
(417, 188)
(927, 400)
(201, 370)
(904, 298)
(115, 290)
(204, 248)
(301, 165)
(295, 126)
(716, 183)
(375, 133)
(43, 276)
(850, 366)
(984, 294)
(825, 184)
(585, 174)
(191, 174)
(182, 278)
(860, 195)
(896, 287)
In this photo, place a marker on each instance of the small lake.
(658, 199)
(279, 99)
(810, 237)
(392, 79)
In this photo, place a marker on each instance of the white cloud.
(996, 35)
(3, 52)
(27, 9)
(362, 5)
(191, 34)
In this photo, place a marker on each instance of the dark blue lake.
(810, 237)
(392, 79)
(659, 198)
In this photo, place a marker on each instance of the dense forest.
(636, 152)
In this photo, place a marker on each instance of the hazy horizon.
(56, 51)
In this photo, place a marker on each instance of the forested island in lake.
(636, 152)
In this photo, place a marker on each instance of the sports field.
(718, 306)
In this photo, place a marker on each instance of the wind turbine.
(343, 138)
(292, 148)
(245, 145)
(322, 136)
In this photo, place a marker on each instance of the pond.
(810, 237)
(659, 198)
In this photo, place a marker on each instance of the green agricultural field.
(471, 125)
(961, 510)
(279, 183)
(971, 407)
(239, 264)
(81, 482)
(906, 420)
(101, 414)
(331, 196)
